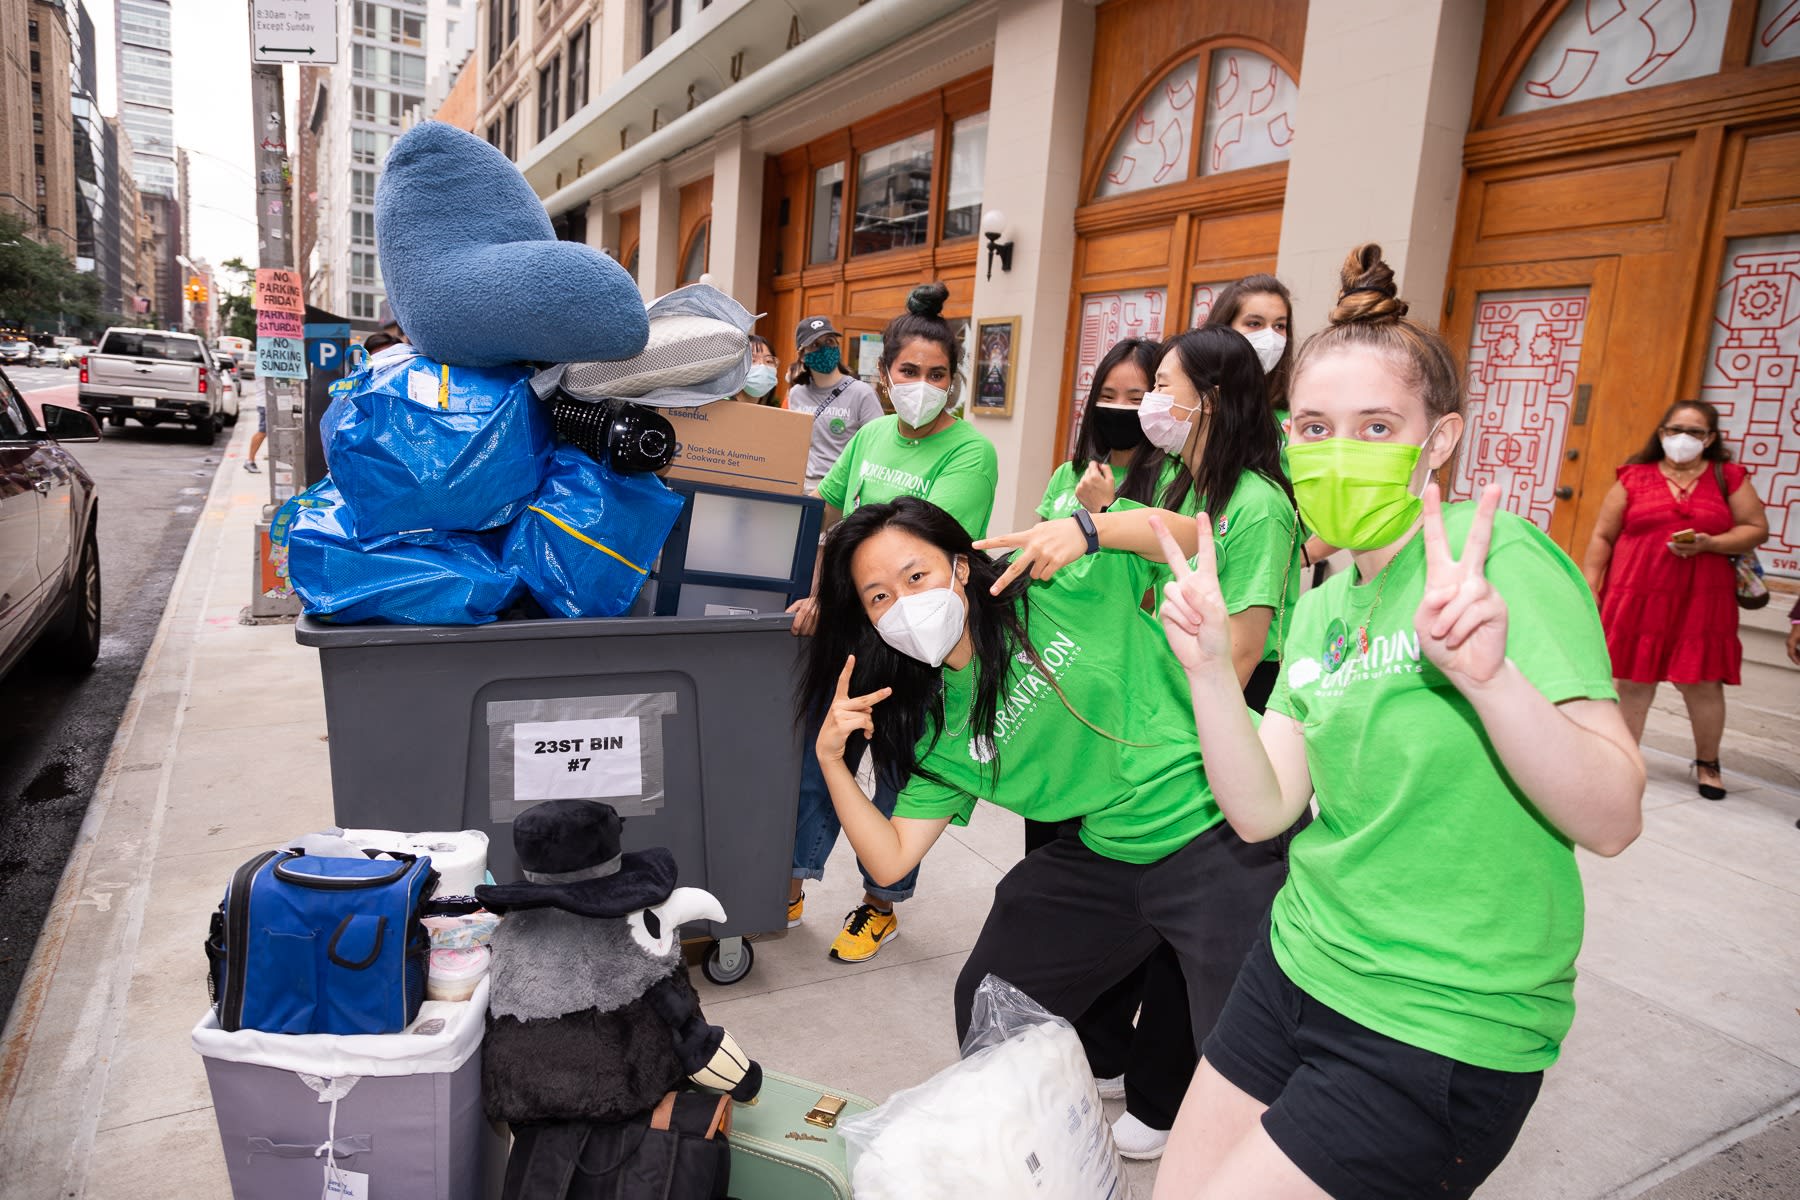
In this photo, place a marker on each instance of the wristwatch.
(1085, 519)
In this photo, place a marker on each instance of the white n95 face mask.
(925, 625)
(1683, 447)
(1269, 345)
(918, 403)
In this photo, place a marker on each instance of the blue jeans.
(816, 825)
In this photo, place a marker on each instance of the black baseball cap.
(811, 329)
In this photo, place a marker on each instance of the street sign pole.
(282, 397)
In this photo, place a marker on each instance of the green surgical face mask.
(1354, 494)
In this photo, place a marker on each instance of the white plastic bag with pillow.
(1017, 1119)
(698, 352)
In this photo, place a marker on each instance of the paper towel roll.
(459, 858)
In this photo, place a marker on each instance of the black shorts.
(1366, 1117)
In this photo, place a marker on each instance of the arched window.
(693, 263)
(1248, 120)
(1604, 47)
(1777, 32)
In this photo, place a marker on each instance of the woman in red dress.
(1660, 564)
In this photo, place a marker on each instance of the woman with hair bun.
(1449, 704)
(921, 450)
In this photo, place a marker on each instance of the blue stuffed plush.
(473, 269)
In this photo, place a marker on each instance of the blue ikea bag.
(305, 944)
(585, 544)
(416, 444)
(419, 579)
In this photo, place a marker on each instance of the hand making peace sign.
(1193, 609)
(1461, 620)
(848, 714)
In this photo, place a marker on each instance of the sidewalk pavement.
(1687, 1041)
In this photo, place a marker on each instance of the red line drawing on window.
(1571, 73)
(1668, 34)
(1229, 133)
(1524, 353)
(1753, 379)
(1618, 10)
(1780, 23)
(1281, 130)
(1225, 91)
(1264, 96)
(1164, 119)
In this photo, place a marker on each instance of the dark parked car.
(49, 558)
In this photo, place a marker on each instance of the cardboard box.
(741, 445)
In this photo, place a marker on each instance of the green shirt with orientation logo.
(1258, 549)
(1059, 494)
(1431, 901)
(1137, 803)
(955, 468)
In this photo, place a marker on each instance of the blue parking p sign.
(327, 345)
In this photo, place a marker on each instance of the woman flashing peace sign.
(1450, 706)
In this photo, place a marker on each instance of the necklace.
(1362, 632)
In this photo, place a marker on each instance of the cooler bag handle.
(403, 863)
(345, 1147)
(361, 920)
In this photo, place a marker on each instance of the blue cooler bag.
(420, 445)
(304, 944)
(585, 544)
(423, 579)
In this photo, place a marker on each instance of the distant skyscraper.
(95, 250)
(348, 125)
(147, 91)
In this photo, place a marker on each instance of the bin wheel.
(726, 965)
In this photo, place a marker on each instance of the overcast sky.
(212, 117)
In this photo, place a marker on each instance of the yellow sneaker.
(866, 930)
(796, 909)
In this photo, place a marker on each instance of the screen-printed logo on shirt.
(1395, 653)
(981, 749)
(838, 425)
(1337, 645)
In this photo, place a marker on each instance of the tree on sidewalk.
(237, 313)
(39, 288)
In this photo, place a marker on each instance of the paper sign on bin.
(577, 760)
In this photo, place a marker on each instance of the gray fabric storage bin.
(416, 1129)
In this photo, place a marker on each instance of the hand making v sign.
(1461, 619)
(1193, 610)
(849, 714)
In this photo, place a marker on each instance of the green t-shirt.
(1137, 803)
(1059, 494)
(1431, 901)
(955, 468)
(1258, 551)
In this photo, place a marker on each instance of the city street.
(152, 483)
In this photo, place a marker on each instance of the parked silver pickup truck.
(151, 376)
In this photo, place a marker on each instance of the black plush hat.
(570, 855)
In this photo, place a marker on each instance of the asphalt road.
(56, 729)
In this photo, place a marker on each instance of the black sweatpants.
(1068, 924)
(1139, 1027)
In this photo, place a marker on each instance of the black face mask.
(1118, 428)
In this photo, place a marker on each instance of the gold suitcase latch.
(825, 1113)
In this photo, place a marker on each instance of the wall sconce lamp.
(993, 227)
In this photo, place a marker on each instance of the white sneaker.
(1111, 1089)
(1137, 1140)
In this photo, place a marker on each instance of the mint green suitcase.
(786, 1146)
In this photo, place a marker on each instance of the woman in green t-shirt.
(1449, 705)
(1058, 701)
(1112, 456)
(923, 449)
(1212, 383)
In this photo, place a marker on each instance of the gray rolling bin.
(684, 724)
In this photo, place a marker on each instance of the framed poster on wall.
(996, 364)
